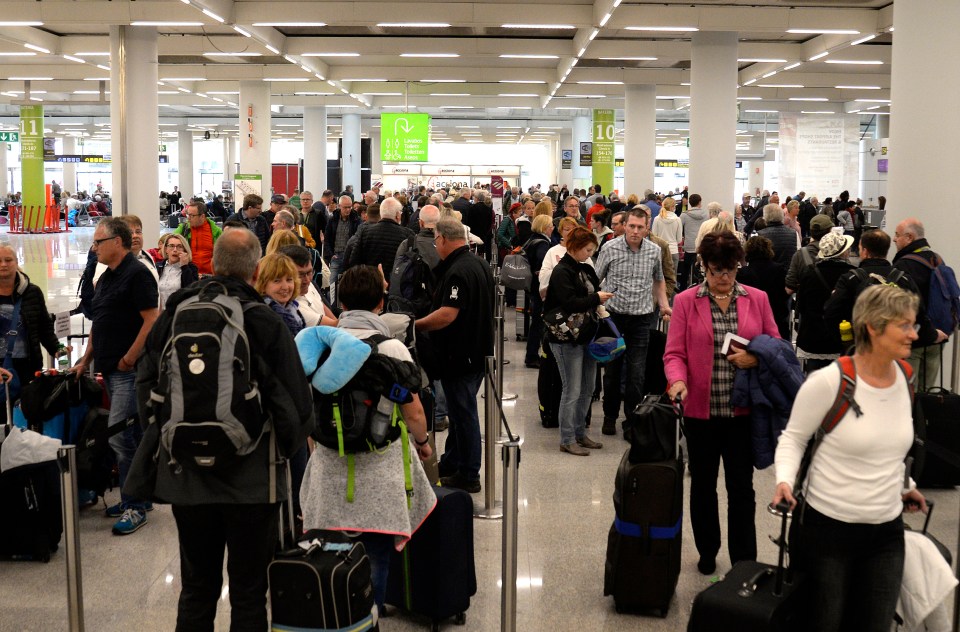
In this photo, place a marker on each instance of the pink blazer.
(689, 354)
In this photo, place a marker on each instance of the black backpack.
(411, 282)
(364, 415)
(207, 401)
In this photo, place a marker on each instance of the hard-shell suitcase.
(435, 575)
(326, 586)
(753, 597)
(644, 544)
(941, 410)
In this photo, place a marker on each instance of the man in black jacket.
(251, 216)
(783, 237)
(378, 243)
(340, 228)
(235, 507)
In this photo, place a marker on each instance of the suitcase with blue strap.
(643, 548)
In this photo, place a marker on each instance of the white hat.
(833, 245)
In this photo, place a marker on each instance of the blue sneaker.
(115, 511)
(86, 497)
(130, 521)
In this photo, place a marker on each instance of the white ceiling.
(465, 65)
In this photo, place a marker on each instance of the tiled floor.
(566, 509)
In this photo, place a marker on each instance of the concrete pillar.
(255, 145)
(582, 133)
(713, 116)
(4, 174)
(882, 127)
(350, 158)
(185, 162)
(376, 161)
(315, 150)
(70, 168)
(133, 115)
(639, 139)
(553, 164)
(229, 157)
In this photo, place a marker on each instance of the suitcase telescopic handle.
(926, 521)
(749, 587)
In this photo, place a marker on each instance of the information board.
(404, 137)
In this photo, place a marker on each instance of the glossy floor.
(566, 508)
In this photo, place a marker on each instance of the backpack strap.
(844, 399)
(915, 257)
(907, 371)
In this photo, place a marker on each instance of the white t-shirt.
(550, 261)
(856, 476)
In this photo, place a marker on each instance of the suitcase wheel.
(461, 618)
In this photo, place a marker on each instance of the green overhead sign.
(404, 137)
(10, 137)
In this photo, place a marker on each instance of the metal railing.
(67, 459)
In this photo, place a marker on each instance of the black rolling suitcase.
(549, 388)
(435, 575)
(941, 410)
(523, 316)
(655, 378)
(644, 544)
(326, 586)
(753, 597)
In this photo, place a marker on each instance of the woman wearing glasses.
(176, 270)
(701, 376)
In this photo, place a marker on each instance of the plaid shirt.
(721, 386)
(630, 274)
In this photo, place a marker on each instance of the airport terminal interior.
(279, 96)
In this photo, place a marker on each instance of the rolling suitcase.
(435, 575)
(941, 410)
(655, 379)
(643, 547)
(753, 597)
(523, 316)
(326, 586)
(549, 388)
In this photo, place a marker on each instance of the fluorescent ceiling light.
(21, 23)
(313, 94)
(422, 25)
(76, 59)
(872, 100)
(823, 31)
(816, 112)
(286, 79)
(330, 54)
(761, 60)
(502, 94)
(428, 55)
(819, 56)
(529, 56)
(750, 98)
(39, 49)
(674, 29)
(779, 85)
(809, 99)
(380, 94)
(750, 82)
(520, 81)
(792, 66)
(241, 31)
(211, 14)
(30, 78)
(102, 67)
(561, 107)
(182, 79)
(857, 87)
(272, 49)
(18, 54)
(856, 62)
(628, 58)
(449, 94)
(762, 111)
(243, 54)
(768, 75)
(367, 80)
(161, 23)
(538, 26)
(443, 81)
(223, 92)
(862, 40)
(600, 83)
(288, 23)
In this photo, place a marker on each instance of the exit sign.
(163, 148)
(9, 137)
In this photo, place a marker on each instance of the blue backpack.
(943, 300)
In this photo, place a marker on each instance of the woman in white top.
(848, 538)
(176, 270)
(556, 253)
(668, 227)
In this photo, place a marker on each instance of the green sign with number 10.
(603, 134)
(404, 137)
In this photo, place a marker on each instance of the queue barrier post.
(492, 510)
(67, 458)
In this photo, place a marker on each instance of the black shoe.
(459, 482)
(707, 565)
(532, 365)
(441, 425)
(609, 426)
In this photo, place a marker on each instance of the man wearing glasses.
(124, 309)
(630, 268)
(202, 233)
(341, 227)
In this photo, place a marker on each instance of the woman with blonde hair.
(536, 250)
(281, 238)
(668, 227)
(544, 207)
(176, 269)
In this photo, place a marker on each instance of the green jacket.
(184, 229)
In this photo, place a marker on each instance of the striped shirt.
(629, 274)
(721, 383)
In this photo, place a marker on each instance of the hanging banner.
(31, 165)
(819, 153)
(603, 133)
(566, 158)
(246, 184)
(496, 194)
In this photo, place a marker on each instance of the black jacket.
(259, 226)
(840, 304)
(463, 205)
(330, 234)
(815, 335)
(536, 250)
(784, 241)
(914, 269)
(285, 398)
(36, 318)
(480, 220)
(568, 291)
(769, 277)
(377, 245)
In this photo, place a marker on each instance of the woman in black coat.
(536, 248)
(575, 288)
(762, 273)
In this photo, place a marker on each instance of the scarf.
(362, 319)
(288, 313)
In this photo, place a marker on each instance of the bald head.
(236, 255)
(429, 216)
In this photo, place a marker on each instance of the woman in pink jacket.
(700, 375)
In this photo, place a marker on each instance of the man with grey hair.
(463, 202)
(462, 338)
(713, 212)
(371, 197)
(650, 201)
(424, 243)
(783, 237)
(377, 244)
(340, 228)
(234, 507)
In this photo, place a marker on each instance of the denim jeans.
(462, 450)
(854, 571)
(249, 533)
(123, 405)
(709, 440)
(636, 334)
(379, 547)
(334, 264)
(577, 374)
(439, 401)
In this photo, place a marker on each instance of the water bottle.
(63, 362)
(380, 420)
(846, 331)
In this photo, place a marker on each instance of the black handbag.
(654, 429)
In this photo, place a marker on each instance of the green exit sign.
(404, 137)
(9, 137)
(163, 148)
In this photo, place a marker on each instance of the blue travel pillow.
(330, 356)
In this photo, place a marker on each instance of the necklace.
(720, 297)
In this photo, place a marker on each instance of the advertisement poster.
(819, 153)
(496, 194)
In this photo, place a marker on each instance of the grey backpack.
(515, 271)
(206, 401)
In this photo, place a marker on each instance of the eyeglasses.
(306, 274)
(174, 247)
(723, 272)
(97, 242)
(193, 214)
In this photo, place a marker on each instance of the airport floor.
(565, 512)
